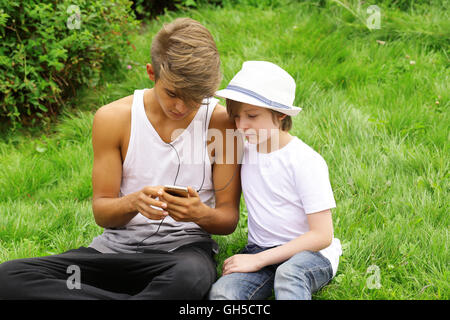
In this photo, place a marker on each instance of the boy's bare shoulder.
(220, 119)
(115, 114)
(114, 118)
(116, 110)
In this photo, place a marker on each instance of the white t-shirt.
(280, 189)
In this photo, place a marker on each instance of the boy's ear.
(150, 72)
(282, 117)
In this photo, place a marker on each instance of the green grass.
(367, 110)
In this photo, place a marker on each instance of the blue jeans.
(295, 279)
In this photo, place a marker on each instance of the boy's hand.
(241, 263)
(145, 198)
(190, 209)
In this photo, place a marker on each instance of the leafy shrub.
(145, 9)
(49, 48)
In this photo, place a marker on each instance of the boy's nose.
(242, 124)
(180, 106)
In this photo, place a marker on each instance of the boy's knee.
(287, 274)
(224, 289)
(293, 282)
(194, 276)
(219, 291)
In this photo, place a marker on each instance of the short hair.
(233, 108)
(185, 56)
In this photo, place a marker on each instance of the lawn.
(375, 106)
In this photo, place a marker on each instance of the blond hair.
(184, 55)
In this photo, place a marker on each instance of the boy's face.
(256, 123)
(172, 106)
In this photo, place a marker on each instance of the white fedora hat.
(262, 84)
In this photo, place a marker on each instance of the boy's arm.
(109, 209)
(317, 238)
(224, 217)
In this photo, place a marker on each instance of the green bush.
(145, 9)
(51, 48)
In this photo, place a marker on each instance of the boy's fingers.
(153, 202)
(192, 192)
(153, 191)
(227, 260)
(152, 213)
(227, 270)
(173, 208)
(173, 199)
(154, 216)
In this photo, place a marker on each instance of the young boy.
(287, 192)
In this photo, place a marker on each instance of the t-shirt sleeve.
(313, 184)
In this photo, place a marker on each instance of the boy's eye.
(170, 94)
(251, 116)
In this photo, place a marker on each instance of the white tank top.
(150, 162)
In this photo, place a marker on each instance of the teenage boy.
(155, 245)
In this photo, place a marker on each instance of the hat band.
(258, 97)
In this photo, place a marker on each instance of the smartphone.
(177, 191)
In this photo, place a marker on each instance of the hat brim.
(242, 97)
